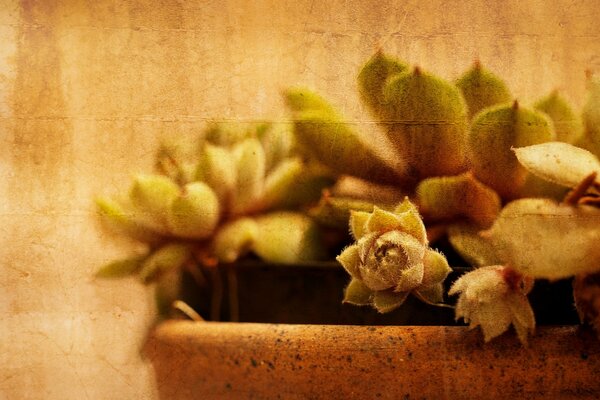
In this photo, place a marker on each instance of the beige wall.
(87, 88)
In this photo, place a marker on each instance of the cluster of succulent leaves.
(235, 188)
(513, 189)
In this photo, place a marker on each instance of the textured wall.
(87, 88)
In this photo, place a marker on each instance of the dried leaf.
(560, 163)
(544, 239)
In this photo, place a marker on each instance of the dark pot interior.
(312, 294)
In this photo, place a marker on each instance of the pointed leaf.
(326, 138)
(168, 289)
(195, 213)
(217, 169)
(278, 142)
(229, 133)
(358, 223)
(559, 163)
(472, 246)
(451, 197)
(121, 268)
(169, 257)
(118, 218)
(301, 99)
(432, 294)
(234, 239)
(357, 293)
(386, 300)
(280, 182)
(151, 197)
(382, 221)
(411, 278)
(350, 260)
(250, 166)
(373, 78)
(287, 237)
(335, 212)
(436, 268)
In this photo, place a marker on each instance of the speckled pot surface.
(270, 361)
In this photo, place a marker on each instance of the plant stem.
(217, 295)
(234, 303)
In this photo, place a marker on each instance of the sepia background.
(87, 88)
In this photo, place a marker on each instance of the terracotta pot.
(268, 361)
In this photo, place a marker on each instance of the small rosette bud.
(391, 259)
(495, 297)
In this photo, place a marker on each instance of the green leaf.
(121, 268)
(229, 133)
(302, 99)
(169, 257)
(461, 196)
(474, 248)
(568, 125)
(278, 142)
(280, 181)
(481, 89)
(543, 239)
(217, 169)
(432, 294)
(120, 219)
(234, 239)
(385, 301)
(373, 78)
(357, 293)
(195, 213)
(250, 166)
(287, 237)
(382, 221)
(151, 197)
(334, 212)
(436, 268)
(168, 289)
(559, 163)
(350, 260)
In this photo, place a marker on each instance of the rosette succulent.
(495, 297)
(391, 259)
(240, 192)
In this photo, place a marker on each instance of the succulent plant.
(494, 297)
(391, 259)
(240, 195)
(481, 89)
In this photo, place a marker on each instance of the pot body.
(269, 361)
